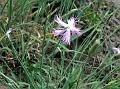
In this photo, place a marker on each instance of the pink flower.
(67, 29)
(116, 50)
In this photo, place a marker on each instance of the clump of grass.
(32, 58)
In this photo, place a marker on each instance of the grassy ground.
(32, 58)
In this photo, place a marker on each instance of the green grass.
(35, 59)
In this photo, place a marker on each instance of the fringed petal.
(60, 22)
(116, 50)
(58, 32)
(66, 37)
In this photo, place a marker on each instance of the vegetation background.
(34, 59)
